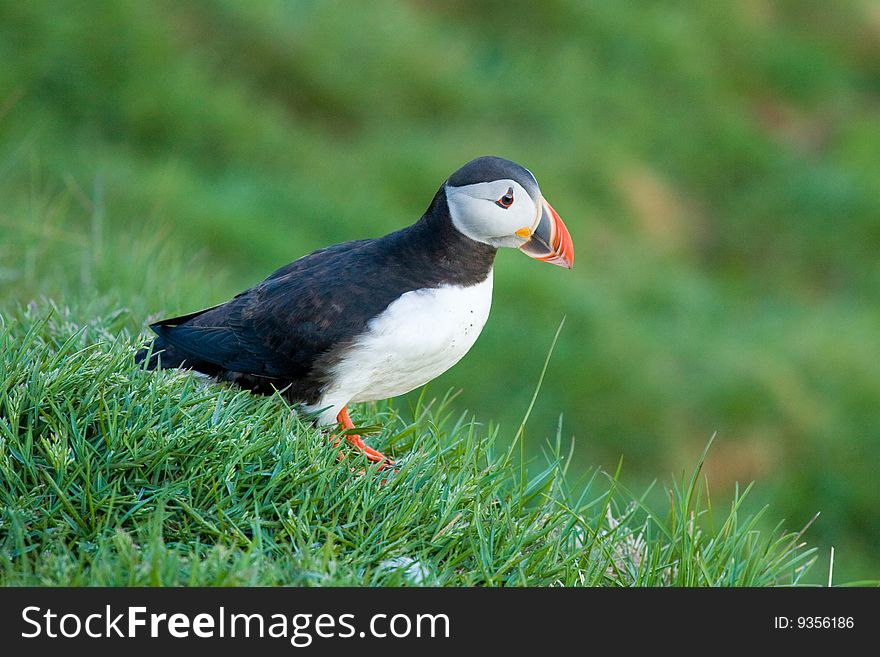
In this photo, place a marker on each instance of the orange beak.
(550, 240)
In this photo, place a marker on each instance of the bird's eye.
(507, 200)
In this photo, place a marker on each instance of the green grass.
(112, 475)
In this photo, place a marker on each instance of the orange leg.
(373, 455)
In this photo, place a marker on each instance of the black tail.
(160, 355)
(163, 355)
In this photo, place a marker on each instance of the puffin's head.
(497, 202)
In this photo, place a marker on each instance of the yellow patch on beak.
(524, 232)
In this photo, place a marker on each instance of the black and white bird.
(374, 318)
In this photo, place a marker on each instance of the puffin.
(374, 318)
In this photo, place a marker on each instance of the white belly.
(417, 338)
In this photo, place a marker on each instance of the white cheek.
(477, 216)
(523, 214)
(504, 222)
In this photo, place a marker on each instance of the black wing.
(278, 328)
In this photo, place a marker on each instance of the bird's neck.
(461, 260)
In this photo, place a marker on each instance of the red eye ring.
(507, 200)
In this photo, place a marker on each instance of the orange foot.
(373, 455)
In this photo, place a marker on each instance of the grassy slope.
(716, 164)
(113, 475)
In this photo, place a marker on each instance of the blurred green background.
(717, 163)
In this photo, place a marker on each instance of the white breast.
(417, 338)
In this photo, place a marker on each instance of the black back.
(287, 331)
